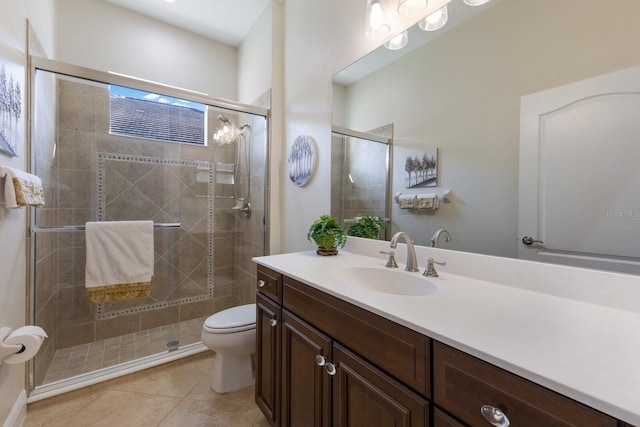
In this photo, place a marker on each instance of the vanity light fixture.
(397, 42)
(476, 2)
(409, 7)
(375, 20)
(436, 20)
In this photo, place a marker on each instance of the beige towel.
(21, 188)
(119, 262)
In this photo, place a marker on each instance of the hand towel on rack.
(21, 188)
(119, 262)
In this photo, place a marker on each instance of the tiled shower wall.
(46, 255)
(181, 268)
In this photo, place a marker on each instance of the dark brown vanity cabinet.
(325, 362)
(326, 381)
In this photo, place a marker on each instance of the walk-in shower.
(360, 175)
(106, 150)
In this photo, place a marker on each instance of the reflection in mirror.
(360, 175)
(461, 92)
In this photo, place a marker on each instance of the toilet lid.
(233, 318)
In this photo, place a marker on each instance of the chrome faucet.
(412, 263)
(436, 237)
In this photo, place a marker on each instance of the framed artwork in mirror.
(420, 167)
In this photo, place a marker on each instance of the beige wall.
(13, 15)
(99, 35)
(461, 93)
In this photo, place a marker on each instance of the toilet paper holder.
(20, 345)
(7, 350)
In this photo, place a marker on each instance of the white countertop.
(587, 351)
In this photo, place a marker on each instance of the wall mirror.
(461, 93)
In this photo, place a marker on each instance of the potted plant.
(366, 226)
(327, 234)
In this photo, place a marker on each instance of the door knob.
(528, 240)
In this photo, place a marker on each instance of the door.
(365, 396)
(306, 387)
(579, 187)
(268, 335)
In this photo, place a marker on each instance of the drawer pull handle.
(273, 322)
(330, 368)
(495, 416)
(261, 283)
(320, 360)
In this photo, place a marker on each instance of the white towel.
(119, 262)
(21, 188)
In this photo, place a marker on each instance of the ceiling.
(226, 21)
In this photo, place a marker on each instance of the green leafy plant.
(327, 233)
(366, 226)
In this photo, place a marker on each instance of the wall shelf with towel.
(427, 201)
(67, 228)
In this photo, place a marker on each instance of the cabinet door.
(268, 337)
(306, 387)
(365, 396)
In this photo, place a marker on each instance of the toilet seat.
(235, 319)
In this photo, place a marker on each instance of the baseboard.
(18, 412)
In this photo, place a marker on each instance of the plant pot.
(327, 252)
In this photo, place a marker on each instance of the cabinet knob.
(261, 283)
(330, 368)
(320, 360)
(495, 416)
(273, 322)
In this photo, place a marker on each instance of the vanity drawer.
(270, 283)
(398, 350)
(463, 384)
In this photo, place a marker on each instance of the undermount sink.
(386, 280)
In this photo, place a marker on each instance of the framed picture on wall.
(12, 89)
(418, 167)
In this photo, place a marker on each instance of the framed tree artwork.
(12, 88)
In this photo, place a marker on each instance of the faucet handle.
(430, 271)
(391, 262)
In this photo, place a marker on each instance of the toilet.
(231, 333)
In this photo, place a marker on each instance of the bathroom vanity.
(332, 351)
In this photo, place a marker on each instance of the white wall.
(321, 38)
(461, 93)
(254, 60)
(13, 222)
(99, 35)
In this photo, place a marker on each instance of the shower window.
(149, 115)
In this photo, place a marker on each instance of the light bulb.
(225, 129)
(435, 21)
(476, 2)
(376, 21)
(398, 42)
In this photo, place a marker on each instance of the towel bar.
(67, 228)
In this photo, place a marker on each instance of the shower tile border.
(201, 165)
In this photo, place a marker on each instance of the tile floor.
(72, 361)
(173, 394)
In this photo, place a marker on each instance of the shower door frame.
(36, 63)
